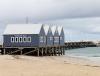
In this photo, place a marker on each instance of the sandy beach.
(47, 66)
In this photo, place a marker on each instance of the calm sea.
(91, 53)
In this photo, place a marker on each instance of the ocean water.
(91, 53)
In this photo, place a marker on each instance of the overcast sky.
(80, 18)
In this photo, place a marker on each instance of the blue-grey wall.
(49, 34)
(42, 33)
(56, 35)
(62, 41)
(34, 41)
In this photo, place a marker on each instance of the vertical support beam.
(45, 50)
(4, 51)
(63, 51)
(55, 51)
(21, 51)
(59, 51)
(38, 52)
(42, 51)
(52, 51)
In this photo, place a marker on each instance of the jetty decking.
(81, 44)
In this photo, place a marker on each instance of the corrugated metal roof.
(23, 29)
(46, 28)
(54, 29)
(59, 29)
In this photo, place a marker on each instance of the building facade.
(24, 35)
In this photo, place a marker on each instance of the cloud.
(80, 18)
(39, 10)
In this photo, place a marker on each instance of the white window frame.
(20, 39)
(12, 39)
(16, 39)
(24, 39)
(28, 39)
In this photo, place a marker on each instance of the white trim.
(12, 39)
(16, 39)
(20, 39)
(28, 39)
(24, 39)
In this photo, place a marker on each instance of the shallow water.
(91, 53)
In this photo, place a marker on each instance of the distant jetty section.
(81, 44)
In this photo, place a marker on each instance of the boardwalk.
(70, 45)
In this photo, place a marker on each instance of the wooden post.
(52, 51)
(55, 50)
(59, 50)
(42, 51)
(4, 51)
(21, 51)
(45, 50)
(63, 51)
(38, 52)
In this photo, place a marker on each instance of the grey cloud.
(39, 10)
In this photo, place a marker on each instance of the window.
(51, 38)
(24, 39)
(41, 38)
(16, 39)
(29, 39)
(60, 38)
(56, 39)
(20, 39)
(12, 39)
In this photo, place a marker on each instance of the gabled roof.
(60, 28)
(23, 29)
(46, 28)
(54, 29)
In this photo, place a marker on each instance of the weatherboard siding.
(34, 41)
(42, 33)
(61, 38)
(56, 41)
(49, 41)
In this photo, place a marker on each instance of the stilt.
(21, 51)
(42, 51)
(59, 51)
(63, 51)
(4, 51)
(45, 50)
(55, 51)
(38, 52)
(52, 52)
